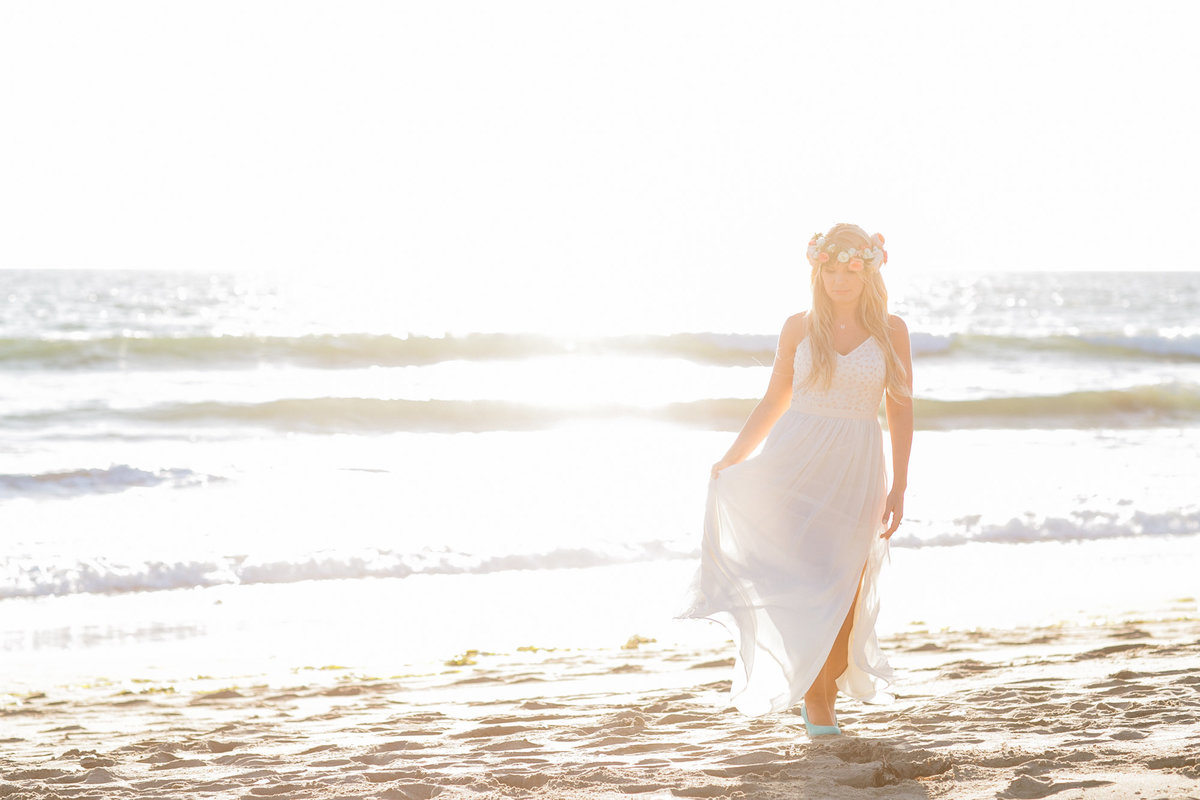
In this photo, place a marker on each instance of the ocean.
(207, 471)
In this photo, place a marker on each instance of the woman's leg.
(820, 699)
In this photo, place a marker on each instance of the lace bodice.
(857, 387)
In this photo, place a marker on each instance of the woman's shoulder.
(795, 328)
(898, 332)
(797, 323)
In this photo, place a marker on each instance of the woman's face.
(843, 286)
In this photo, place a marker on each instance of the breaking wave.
(1141, 406)
(30, 577)
(116, 478)
(342, 351)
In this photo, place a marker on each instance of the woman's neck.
(845, 316)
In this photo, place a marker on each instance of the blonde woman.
(794, 538)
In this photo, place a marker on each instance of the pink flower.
(822, 257)
(855, 264)
(879, 236)
(885, 256)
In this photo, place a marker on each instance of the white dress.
(788, 533)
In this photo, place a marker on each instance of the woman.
(794, 538)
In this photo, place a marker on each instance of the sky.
(624, 153)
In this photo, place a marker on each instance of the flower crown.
(821, 251)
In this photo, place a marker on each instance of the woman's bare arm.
(899, 412)
(777, 399)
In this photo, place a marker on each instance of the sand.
(1097, 711)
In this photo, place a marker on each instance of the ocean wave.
(116, 478)
(930, 344)
(1135, 346)
(1140, 406)
(1079, 526)
(30, 577)
(323, 351)
(348, 351)
(331, 415)
(26, 578)
(1180, 347)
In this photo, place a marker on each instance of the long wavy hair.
(872, 315)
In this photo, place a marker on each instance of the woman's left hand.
(893, 509)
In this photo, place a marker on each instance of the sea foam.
(83, 481)
(29, 576)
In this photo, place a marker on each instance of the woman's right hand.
(720, 465)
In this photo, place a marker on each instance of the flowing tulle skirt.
(788, 535)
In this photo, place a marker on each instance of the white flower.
(852, 252)
(843, 257)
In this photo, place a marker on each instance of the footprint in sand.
(491, 731)
(722, 662)
(1108, 651)
(180, 763)
(1027, 786)
(513, 744)
(413, 791)
(1188, 765)
(648, 747)
(705, 791)
(1134, 633)
(522, 780)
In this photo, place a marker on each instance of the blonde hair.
(872, 315)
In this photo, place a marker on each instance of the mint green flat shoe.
(819, 730)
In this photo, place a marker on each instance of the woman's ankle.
(820, 711)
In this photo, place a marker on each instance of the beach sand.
(1096, 711)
